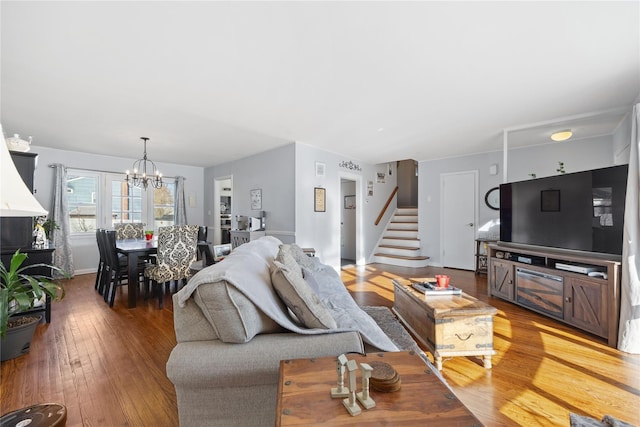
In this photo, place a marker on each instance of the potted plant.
(20, 292)
(50, 225)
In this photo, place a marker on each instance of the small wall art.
(350, 202)
(320, 169)
(319, 199)
(256, 199)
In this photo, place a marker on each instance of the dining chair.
(101, 255)
(207, 258)
(176, 252)
(129, 230)
(202, 233)
(116, 268)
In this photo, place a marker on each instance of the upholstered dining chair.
(176, 251)
(129, 230)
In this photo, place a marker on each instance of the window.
(126, 202)
(82, 188)
(163, 205)
(100, 200)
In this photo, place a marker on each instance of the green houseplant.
(20, 291)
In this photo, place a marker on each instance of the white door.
(458, 200)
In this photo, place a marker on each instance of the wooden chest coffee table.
(304, 395)
(448, 325)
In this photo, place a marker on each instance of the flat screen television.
(581, 211)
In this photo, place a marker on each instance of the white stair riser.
(407, 211)
(400, 242)
(402, 252)
(404, 226)
(400, 234)
(401, 262)
(405, 218)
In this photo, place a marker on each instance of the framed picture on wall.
(256, 199)
(320, 169)
(319, 199)
(350, 202)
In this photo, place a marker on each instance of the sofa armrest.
(205, 364)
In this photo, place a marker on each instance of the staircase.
(400, 244)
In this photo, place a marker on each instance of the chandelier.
(144, 171)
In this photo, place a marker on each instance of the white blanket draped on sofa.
(247, 268)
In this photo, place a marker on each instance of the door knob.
(470, 224)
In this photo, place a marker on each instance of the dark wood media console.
(582, 290)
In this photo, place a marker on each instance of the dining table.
(135, 249)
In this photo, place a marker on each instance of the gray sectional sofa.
(233, 327)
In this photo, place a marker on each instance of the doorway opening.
(348, 222)
(222, 210)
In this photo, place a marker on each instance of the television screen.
(580, 211)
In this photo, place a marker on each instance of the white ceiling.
(211, 82)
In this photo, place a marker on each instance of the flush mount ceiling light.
(562, 135)
(144, 171)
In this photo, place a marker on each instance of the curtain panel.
(61, 237)
(629, 334)
(180, 208)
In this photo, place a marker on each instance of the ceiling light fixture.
(144, 171)
(562, 135)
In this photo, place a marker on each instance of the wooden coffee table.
(304, 395)
(448, 325)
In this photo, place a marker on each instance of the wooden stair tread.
(402, 229)
(410, 258)
(409, 248)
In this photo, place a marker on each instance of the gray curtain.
(629, 335)
(61, 238)
(180, 208)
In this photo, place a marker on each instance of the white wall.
(321, 230)
(622, 142)
(85, 251)
(287, 178)
(577, 155)
(273, 172)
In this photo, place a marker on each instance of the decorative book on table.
(431, 288)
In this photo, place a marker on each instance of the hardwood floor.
(107, 366)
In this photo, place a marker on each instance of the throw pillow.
(300, 298)
(301, 258)
(234, 318)
(286, 257)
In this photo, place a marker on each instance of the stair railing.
(386, 205)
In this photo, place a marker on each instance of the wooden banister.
(386, 205)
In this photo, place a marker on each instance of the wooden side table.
(304, 395)
(448, 325)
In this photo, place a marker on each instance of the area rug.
(391, 326)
